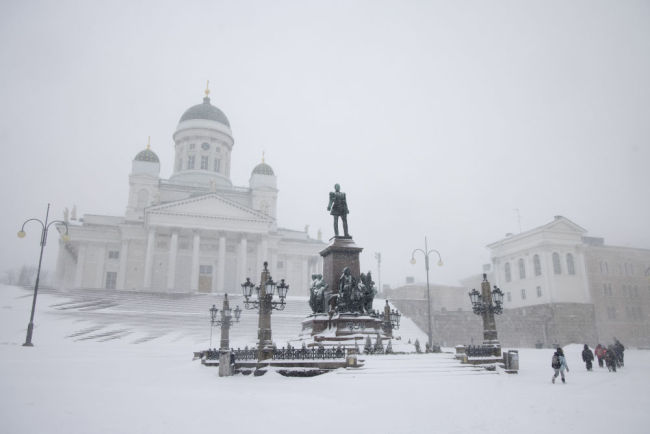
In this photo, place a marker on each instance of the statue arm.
(329, 206)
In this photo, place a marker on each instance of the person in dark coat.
(610, 358)
(619, 348)
(600, 353)
(560, 366)
(587, 357)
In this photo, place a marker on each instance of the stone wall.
(550, 325)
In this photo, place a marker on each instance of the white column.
(241, 262)
(265, 252)
(547, 271)
(196, 245)
(304, 279)
(99, 272)
(171, 263)
(221, 265)
(121, 273)
(81, 262)
(148, 260)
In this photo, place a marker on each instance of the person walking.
(559, 365)
(587, 357)
(610, 358)
(619, 348)
(600, 353)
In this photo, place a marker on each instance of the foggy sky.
(437, 118)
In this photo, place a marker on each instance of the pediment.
(563, 224)
(210, 206)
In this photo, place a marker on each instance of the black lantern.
(270, 287)
(394, 318)
(475, 297)
(497, 296)
(283, 288)
(213, 313)
(247, 288)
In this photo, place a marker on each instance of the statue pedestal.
(341, 253)
(343, 329)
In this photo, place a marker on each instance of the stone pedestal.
(225, 368)
(341, 253)
(343, 329)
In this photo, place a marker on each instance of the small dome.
(147, 155)
(263, 169)
(205, 111)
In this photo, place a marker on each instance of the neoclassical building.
(193, 232)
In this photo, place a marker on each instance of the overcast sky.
(437, 118)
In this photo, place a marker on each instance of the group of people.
(611, 355)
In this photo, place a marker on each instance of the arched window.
(522, 269)
(538, 265)
(570, 266)
(507, 271)
(557, 267)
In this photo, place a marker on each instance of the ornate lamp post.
(426, 252)
(390, 319)
(487, 303)
(225, 321)
(263, 301)
(21, 234)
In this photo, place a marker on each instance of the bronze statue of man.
(338, 207)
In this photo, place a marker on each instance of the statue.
(317, 294)
(368, 292)
(338, 207)
(346, 284)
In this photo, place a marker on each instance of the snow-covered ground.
(130, 383)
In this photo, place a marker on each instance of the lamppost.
(426, 252)
(225, 321)
(390, 319)
(488, 303)
(264, 302)
(21, 234)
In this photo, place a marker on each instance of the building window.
(538, 265)
(611, 313)
(204, 163)
(539, 291)
(190, 162)
(113, 254)
(192, 146)
(557, 268)
(522, 269)
(508, 296)
(111, 279)
(507, 271)
(570, 266)
(205, 269)
(217, 164)
(523, 294)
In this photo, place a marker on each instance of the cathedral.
(193, 232)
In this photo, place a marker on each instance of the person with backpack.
(600, 353)
(610, 358)
(587, 357)
(619, 348)
(558, 363)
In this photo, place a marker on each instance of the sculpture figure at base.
(368, 292)
(317, 294)
(338, 207)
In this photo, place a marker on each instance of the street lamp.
(263, 301)
(225, 321)
(426, 252)
(488, 303)
(21, 234)
(378, 258)
(390, 319)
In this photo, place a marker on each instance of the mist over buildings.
(457, 122)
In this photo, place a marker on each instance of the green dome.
(205, 111)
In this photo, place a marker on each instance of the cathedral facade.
(193, 232)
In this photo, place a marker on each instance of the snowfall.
(111, 365)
